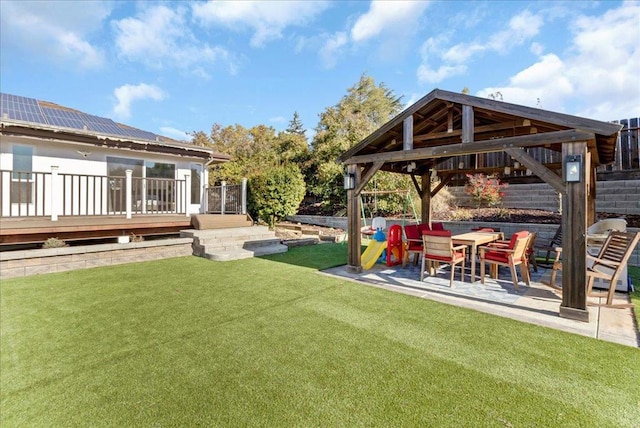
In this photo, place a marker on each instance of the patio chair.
(438, 248)
(414, 243)
(610, 263)
(512, 255)
(555, 242)
(531, 252)
(607, 265)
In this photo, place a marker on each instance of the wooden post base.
(574, 314)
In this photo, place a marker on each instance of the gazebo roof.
(439, 133)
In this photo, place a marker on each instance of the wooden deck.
(23, 230)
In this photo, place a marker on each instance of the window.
(160, 170)
(21, 178)
(196, 171)
(116, 167)
(116, 170)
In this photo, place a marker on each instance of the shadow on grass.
(319, 256)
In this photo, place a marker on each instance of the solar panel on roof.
(29, 110)
(63, 118)
(21, 108)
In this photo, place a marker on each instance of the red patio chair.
(512, 255)
(438, 248)
(413, 244)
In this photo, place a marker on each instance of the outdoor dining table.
(474, 239)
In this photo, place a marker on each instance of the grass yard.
(270, 342)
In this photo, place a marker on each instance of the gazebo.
(448, 134)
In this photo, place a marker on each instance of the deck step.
(234, 243)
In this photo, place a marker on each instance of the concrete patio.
(537, 304)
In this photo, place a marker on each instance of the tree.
(295, 126)
(276, 193)
(363, 110)
(252, 150)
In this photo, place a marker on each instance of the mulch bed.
(494, 215)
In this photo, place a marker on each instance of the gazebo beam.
(537, 168)
(485, 146)
(367, 174)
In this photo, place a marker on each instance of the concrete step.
(234, 243)
(246, 253)
(231, 232)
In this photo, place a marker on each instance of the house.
(73, 175)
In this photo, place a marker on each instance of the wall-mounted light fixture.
(516, 165)
(507, 170)
(460, 165)
(573, 168)
(349, 181)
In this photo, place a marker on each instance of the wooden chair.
(555, 242)
(531, 253)
(413, 243)
(610, 263)
(438, 248)
(512, 255)
(557, 266)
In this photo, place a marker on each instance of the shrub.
(54, 243)
(461, 214)
(275, 194)
(485, 190)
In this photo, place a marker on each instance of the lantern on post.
(573, 168)
(349, 181)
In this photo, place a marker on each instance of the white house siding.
(67, 158)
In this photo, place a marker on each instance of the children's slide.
(372, 253)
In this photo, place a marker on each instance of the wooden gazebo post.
(574, 229)
(353, 222)
(425, 200)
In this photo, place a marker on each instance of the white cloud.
(439, 62)
(267, 19)
(386, 15)
(58, 31)
(174, 133)
(432, 48)
(435, 75)
(598, 77)
(536, 48)
(127, 94)
(160, 37)
(522, 27)
(543, 85)
(332, 48)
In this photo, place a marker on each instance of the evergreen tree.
(364, 109)
(295, 125)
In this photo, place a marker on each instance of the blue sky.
(177, 67)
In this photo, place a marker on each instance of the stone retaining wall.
(622, 197)
(545, 231)
(34, 262)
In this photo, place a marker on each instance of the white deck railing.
(53, 194)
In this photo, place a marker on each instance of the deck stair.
(234, 243)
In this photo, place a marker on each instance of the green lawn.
(270, 342)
